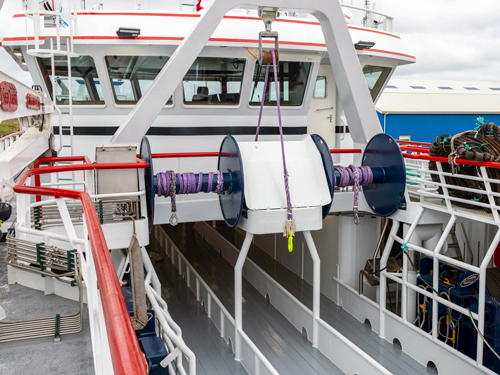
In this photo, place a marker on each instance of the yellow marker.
(424, 308)
(290, 242)
(453, 337)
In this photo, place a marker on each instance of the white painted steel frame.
(336, 347)
(436, 299)
(415, 342)
(258, 365)
(355, 97)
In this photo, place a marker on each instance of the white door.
(321, 116)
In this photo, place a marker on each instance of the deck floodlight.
(17, 52)
(128, 32)
(364, 45)
(23, 62)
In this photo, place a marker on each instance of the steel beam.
(356, 100)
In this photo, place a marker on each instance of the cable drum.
(482, 145)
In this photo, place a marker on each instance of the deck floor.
(280, 342)
(72, 355)
(392, 358)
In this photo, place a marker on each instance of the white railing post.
(482, 295)
(404, 287)
(316, 285)
(238, 294)
(435, 276)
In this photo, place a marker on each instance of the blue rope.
(405, 247)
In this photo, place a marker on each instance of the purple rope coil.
(355, 176)
(210, 181)
(220, 182)
(200, 181)
(187, 183)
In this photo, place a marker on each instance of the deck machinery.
(76, 230)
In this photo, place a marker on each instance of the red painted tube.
(347, 151)
(424, 150)
(488, 164)
(39, 161)
(126, 355)
(185, 155)
(413, 143)
(216, 154)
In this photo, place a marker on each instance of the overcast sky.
(452, 39)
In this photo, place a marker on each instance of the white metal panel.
(439, 96)
(25, 150)
(263, 172)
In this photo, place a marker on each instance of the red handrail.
(215, 154)
(347, 151)
(126, 355)
(413, 143)
(12, 135)
(84, 159)
(425, 150)
(488, 164)
(185, 155)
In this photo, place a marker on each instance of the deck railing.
(106, 301)
(438, 196)
(8, 140)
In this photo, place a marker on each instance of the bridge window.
(292, 77)
(85, 85)
(320, 88)
(131, 76)
(375, 77)
(214, 81)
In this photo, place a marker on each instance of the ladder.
(59, 15)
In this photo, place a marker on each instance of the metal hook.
(173, 219)
(356, 218)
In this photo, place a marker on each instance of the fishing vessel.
(206, 189)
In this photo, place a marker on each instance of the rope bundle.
(482, 145)
(355, 176)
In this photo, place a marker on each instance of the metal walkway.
(276, 338)
(392, 358)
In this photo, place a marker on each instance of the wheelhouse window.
(131, 76)
(292, 77)
(375, 77)
(214, 81)
(320, 88)
(85, 85)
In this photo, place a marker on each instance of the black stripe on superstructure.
(339, 129)
(201, 130)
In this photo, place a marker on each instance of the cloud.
(452, 39)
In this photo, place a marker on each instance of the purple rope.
(159, 185)
(173, 218)
(356, 173)
(166, 185)
(200, 181)
(263, 100)
(285, 172)
(210, 181)
(220, 182)
(355, 176)
(162, 185)
(181, 183)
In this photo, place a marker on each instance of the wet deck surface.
(279, 341)
(392, 358)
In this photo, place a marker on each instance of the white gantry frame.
(356, 100)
